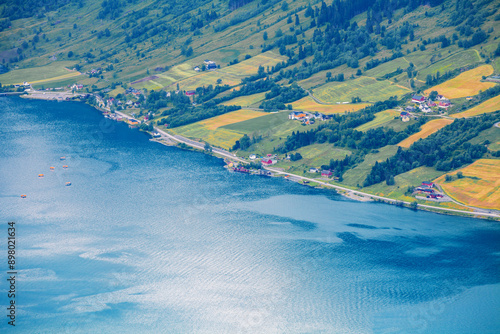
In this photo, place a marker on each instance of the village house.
(418, 99)
(267, 161)
(211, 65)
(252, 157)
(428, 184)
(197, 69)
(313, 170)
(444, 105)
(190, 92)
(410, 109)
(326, 173)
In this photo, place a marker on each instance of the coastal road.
(480, 213)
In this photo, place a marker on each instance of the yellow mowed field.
(205, 79)
(245, 101)
(230, 118)
(479, 187)
(487, 106)
(466, 84)
(209, 130)
(380, 118)
(251, 66)
(308, 104)
(427, 129)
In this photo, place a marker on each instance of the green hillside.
(265, 55)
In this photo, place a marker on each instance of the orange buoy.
(40, 175)
(68, 184)
(23, 196)
(62, 158)
(65, 166)
(52, 168)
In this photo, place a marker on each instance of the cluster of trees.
(249, 88)
(340, 131)
(279, 95)
(432, 80)
(15, 9)
(111, 8)
(245, 142)
(447, 149)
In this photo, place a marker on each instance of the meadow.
(480, 185)
(427, 129)
(211, 131)
(368, 89)
(387, 68)
(263, 123)
(246, 100)
(251, 66)
(316, 155)
(457, 60)
(308, 104)
(381, 118)
(487, 106)
(467, 83)
(55, 71)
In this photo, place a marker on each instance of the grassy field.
(357, 175)
(427, 129)
(368, 89)
(479, 187)
(263, 123)
(388, 67)
(413, 178)
(466, 84)
(245, 101)
(55, 71)
(308, 104)
(251, 66)
(167, 78)
(457, 60)
(487, 106)
(210, 130)
(381, 118)
(207, 78)
(316, 155)
(492, 134)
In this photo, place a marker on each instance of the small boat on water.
(65, 166)
(23, 196)
(68, 184)
(41, 175)
(62, 158)
(52, 168)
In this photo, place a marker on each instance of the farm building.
(410, 109)
(428, 184)
(418, 99)
(444, 105)
(267, 162)
(313, 170)
(190, 92)
(326, 173)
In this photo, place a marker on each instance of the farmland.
(205, 79)
(457, 60)
(368, 89)
(316, 155)
(57, 70)
(388, 67)
(308, 104)
(263, 123)
(380, 119)
(487, 106)
(210, 130)
(246, 100)
(251, 66)
(427, 129)
(480, 185)
(466, 84)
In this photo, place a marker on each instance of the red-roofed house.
(444, 105)
(326, 173)
(428, 184)
(418, 99)
(266, 161)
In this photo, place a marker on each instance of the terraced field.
(308, 104)
(368, 89)
(381, 118)
(487, 106)
(479, 187)
(450, 63)
(251, 66)
(427, 129)
(264, 123)
(466, 84)
(207, 78)
(317, 155)
(387, 68)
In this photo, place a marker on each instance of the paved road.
(487, 214)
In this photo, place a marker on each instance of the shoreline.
(174, 140)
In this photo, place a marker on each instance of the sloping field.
(308, 104)
(230, 118)
(387, 68)
(455, 61)
(54, 71)
(427, 129)
(245, 101)
(466, 84)
(207, 78)
(263, 123)
(251, 66)
(487, 106)
(479, 187)
(210, 130)
(176, 73)
(368, 89)
(320, 154)
(380, 119)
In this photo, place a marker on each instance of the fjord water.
(155, 239)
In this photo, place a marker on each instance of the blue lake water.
(155, 239)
